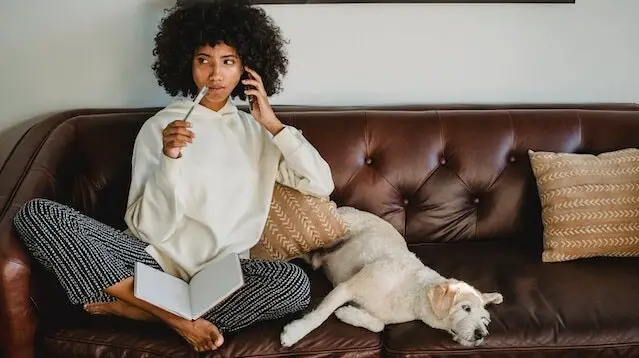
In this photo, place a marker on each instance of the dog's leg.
(296, 330)
(359, 318)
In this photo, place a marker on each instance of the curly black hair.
(191, 24)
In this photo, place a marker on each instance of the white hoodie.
(215, 198)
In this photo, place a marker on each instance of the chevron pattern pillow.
(296, 224)
(590, 203)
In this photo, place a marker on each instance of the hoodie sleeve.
(301, 166)
(154, 206)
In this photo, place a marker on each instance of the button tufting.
(476, 200)
(369, 161)
(442, 161)
(512, 159)
(405, 201)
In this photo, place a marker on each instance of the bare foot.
(201, 334)
(119, 308)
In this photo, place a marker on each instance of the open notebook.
(192, 299)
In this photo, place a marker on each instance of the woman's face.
(219, 68)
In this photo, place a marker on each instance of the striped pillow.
(296, 224)
(590, 203)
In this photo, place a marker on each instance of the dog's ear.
(442, 298)
(493, 297)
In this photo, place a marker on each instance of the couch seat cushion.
(114, 337)
(332, 339)
(73, 333)
(590, 304)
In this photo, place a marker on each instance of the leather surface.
(454, 177)
(32, 168)
(548, 309)
(114, 337)
(332, 339)
(80, 335)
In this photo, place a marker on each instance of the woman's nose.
(214, 73)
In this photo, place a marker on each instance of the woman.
(200, 188)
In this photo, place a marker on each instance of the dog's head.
(463, 308)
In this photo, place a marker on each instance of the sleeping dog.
(378, 281)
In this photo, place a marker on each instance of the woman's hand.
(175, 137)
(259, 105)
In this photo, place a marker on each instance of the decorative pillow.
(297, 223)
(590, 203)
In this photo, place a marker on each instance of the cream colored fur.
(378, 281)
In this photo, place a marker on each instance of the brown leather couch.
(455, 180)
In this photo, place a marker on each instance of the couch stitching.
(423, 181)
(581, 130)
(348, 182)
(443, 135)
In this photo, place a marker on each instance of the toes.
(94, 308)
(217, 339)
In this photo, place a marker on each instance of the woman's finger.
(175, 144)
(177, 124)
(257, 94)
(179, 130)
(257, 84)
(255, 97)
(179, 137)
(180, 123)
(253, 73)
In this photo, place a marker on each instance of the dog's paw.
(357, 317)
(376, 327)
(293, 332)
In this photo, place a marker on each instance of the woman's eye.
(202, 60)
(229, 62)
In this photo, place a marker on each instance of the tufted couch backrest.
(436, 175)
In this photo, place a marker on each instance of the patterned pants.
(88, 256)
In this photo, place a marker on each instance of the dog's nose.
(479, 334)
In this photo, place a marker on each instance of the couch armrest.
(17, 316)
(18, 319)
(37, 145)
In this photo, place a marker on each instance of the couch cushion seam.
(297, 353)
(512, 349)
(277, 354)
(97, 342)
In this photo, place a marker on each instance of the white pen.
(197, 100)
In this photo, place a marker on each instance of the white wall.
(77, 53)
